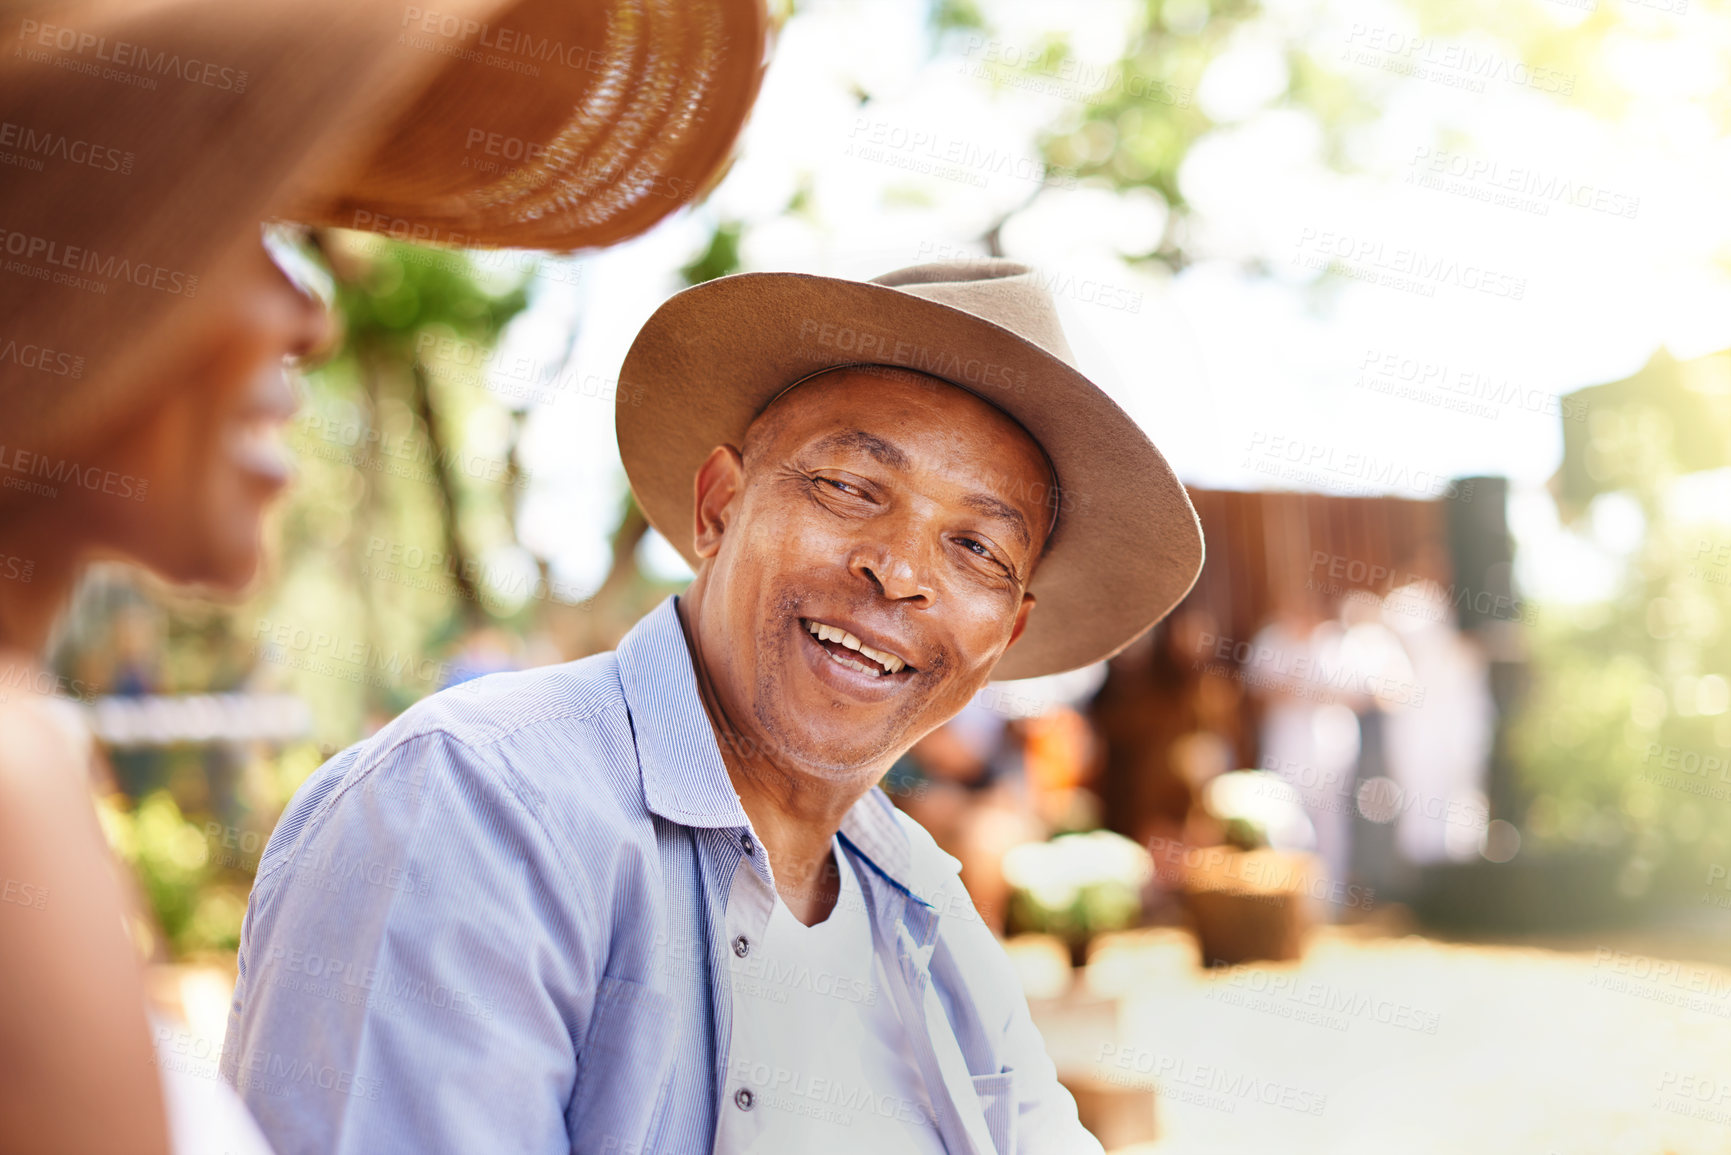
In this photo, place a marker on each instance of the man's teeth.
(825, 633)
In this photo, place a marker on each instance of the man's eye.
(975, 547)
(841, 485)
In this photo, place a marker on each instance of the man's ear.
(1022, 612)
(720, 481)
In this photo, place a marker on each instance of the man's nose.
(899, 574)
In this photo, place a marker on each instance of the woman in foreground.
(144, 333)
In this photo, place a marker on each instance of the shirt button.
(746, 842)
(742, 1099)
(742, 947)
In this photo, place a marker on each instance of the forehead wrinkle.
(882, 451)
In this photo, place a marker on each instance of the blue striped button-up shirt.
(510, 921)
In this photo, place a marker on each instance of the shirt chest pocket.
(624, 1069)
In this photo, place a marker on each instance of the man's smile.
(847, 650)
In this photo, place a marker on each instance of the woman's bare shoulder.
(44, 752)
(63, 917)
(48, 825)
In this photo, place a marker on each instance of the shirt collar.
(870, 827)
(685, 780)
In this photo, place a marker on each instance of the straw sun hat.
(141, 140)
(1127, 546)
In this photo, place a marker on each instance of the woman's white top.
(205, 1116)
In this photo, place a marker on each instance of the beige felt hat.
(1127, 546)
(142, 140)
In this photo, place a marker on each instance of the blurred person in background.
(1060, 757)
(1438, 751)
(1309, 733)
(1165, 719)
(132, 657)
(482, 651)
(142, 384)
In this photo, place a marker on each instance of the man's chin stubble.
(794, 751)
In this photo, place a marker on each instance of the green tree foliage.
(720, 258)
(401, 493)
(196, 904)
(1625, 743)
(1134, 123)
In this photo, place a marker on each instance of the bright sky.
(1235, 373)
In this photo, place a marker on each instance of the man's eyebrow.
(1003, 511)
(881, 451)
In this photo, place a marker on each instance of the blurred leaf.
(1672, 417)
(719, 259)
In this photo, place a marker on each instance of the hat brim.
(581, 125)
(1128, 546)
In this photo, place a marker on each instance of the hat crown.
(1006, 293)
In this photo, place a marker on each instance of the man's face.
(895, 515)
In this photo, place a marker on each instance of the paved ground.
(1415, 1046)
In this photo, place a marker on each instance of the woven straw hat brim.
(1128, 546)
(143, 141)
(560, 125)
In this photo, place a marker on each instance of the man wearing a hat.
(653, 900)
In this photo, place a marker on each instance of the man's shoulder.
(557, 738)
(550, 745)
(933, 868)
(935, 880)
(933, 875)
(487, 710)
